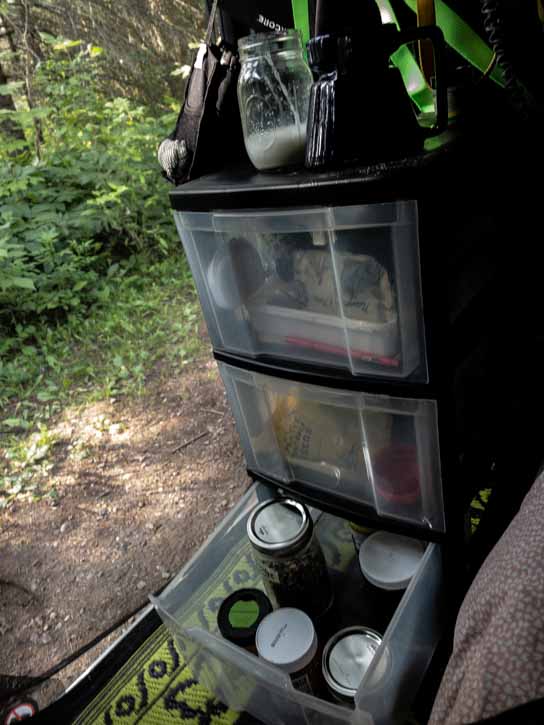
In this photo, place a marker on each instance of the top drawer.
(333, 286)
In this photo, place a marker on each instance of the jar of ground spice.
(289, 556)
(287, 639)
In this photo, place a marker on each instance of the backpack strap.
(301, 17)
(211, 22)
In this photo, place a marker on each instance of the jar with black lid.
(289, 556)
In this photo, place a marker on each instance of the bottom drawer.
(244, 682)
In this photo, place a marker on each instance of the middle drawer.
(375, 450)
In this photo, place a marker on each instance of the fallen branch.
(188, 443)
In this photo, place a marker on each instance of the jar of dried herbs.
(289, 556)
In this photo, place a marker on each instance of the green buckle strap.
(414, 80)
(301, 18)
(462, 38)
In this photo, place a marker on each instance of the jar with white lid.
(287, 639)
(273, 97)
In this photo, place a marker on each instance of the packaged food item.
(389, 561)
(289, 556)
(346, 658)
(317, 433)
(240, 615)
(306, 280)
(287, 638)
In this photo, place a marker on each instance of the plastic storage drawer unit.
(374, 450)
(244, 682)
(337, 286)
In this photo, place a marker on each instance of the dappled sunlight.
(140, 484)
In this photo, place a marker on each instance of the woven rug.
(152, 684)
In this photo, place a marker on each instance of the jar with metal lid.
(346, 658)
(274, 96)
(289, 556)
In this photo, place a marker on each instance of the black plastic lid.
(241, 613)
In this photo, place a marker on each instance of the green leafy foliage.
(93, 197)
(94, 290)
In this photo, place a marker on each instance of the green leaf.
(45, 396)
(22, 282)
(8, 89)
(64, 44)
(16, 423)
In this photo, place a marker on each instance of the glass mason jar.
(274, 95)
(290, 557)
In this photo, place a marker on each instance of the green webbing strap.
(301, 18)
(413, 78)
(462, 38)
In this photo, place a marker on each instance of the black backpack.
(208, 130)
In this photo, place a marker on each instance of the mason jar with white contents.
(290, 556)
(273, 96)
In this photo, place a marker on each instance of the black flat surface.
(243, 187)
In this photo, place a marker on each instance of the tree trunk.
(8, 126)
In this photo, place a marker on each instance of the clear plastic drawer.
(242, 681)
(374, 449)
(336, 286)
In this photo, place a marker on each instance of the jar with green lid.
(289, 556)
(240, 614)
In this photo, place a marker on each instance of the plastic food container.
(337, 286)
(287, 639)
(376, 450)
(389, 561)
(289, 556)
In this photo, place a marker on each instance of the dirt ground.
(141, 484)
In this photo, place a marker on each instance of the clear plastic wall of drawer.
(377, 450)
(247, 684)
(397, 670)
(337, 286)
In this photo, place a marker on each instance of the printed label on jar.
(302, 683)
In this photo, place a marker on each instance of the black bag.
(208, 130)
